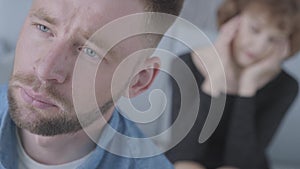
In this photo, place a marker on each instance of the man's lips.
(36, 100)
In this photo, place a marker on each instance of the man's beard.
(43, 122)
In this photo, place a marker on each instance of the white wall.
(12, 14)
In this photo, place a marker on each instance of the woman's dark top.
(246, 127)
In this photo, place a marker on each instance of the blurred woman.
(255, 38)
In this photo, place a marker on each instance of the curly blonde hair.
(285, 14)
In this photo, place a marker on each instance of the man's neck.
(58, 149)
(62, 149)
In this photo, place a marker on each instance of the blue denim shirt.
(100, 158)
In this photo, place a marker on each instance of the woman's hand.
(259, 74)
(223, 72)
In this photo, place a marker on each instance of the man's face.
(54, 34)
(256, 38)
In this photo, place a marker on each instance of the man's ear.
(145, 77)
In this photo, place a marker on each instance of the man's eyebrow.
(42, 14)
(91, 37)
(101, 44)
(86, 34)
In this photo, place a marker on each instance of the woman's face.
(256, 38)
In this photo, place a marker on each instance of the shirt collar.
(105, 138)
(8, 142)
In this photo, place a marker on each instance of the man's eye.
(43, 28)
(90, 52)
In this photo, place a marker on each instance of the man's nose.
(55, 64)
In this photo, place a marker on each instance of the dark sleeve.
(210, 153)
(274, 101)
(254, 122)
(188, 148)
(242, 148)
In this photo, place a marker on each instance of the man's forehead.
(89, 14)
(81, 19)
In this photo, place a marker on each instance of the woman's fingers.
(228, 30)
(279, 53)
(286, 50)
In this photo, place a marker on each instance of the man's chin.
(44, 123)
(46, 127)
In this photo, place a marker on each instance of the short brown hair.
(172, 7)
(284, 13)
